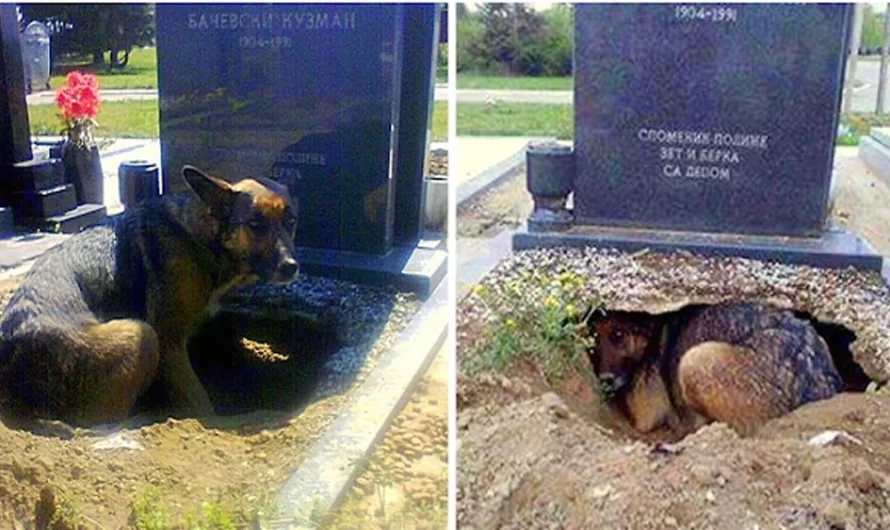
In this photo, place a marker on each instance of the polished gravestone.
(716, 123)
(320, 97)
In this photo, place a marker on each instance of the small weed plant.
(213, 517)
(540, 317)
(149, 513)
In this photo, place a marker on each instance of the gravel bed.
(656, 283)
(439, 162)
(366, 320)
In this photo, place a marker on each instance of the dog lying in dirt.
(736, 363)
(102, 319)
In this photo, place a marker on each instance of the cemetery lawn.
(141, 71)
(139, 119)
(532, 119)
(119, 119)
(514, 119)
(494, 82)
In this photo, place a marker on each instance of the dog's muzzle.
(287, 271)
(611, 384)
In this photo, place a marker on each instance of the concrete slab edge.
(492, 176)
(481, 263)
(413, 269)
(23, 247)
(323, 479)
(876, 156)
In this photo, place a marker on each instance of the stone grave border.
(322, 481)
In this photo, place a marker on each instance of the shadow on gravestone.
(347, 207)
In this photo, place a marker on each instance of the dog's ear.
(213, 192)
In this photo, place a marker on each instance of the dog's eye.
(617, 335)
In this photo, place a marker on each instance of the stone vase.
(550, 170)
(550, 174)
(83, 168)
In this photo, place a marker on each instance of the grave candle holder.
(550, 176)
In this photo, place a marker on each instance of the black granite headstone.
(709, 117)
(418, 84)
(15, 134)
(308, 95)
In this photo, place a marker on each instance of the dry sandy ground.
(405, 484)
(505, 206)
(863, 202)
(236, 462)
(529, 459)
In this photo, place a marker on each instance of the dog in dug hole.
(102, 319)
(737, 363)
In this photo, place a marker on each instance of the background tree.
(872, 29)
(499, 39)
(94, 29)
(515, 39)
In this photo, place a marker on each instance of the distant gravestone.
(36, 55)
(706, 117)
(307, 95)
(708, 128)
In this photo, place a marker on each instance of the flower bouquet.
(78, 102)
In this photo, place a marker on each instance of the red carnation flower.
(78, 102)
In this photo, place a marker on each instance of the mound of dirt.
(533, 462)
(239, 461)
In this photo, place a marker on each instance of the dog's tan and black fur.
(103, 318)
(737, 363)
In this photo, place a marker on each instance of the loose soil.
(529, 459)
(405, 483)
(537, 455)
(238, 461)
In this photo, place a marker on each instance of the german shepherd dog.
(737, 363)
(103, 318)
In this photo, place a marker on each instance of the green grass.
(141, 71)
(530, 119)
(848, 140)
(515, 119)
(120, 119)
(492, 82)
(440, 121)
(139, 119)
